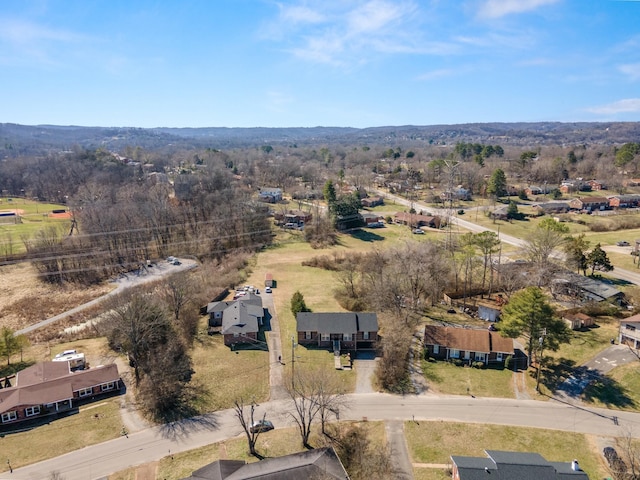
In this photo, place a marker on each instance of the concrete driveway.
(365, 365)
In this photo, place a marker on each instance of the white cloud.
(501, 8)
(351, 33)
(435, 74)
(632, 70)
(300, 14)
(376, 15)
(628, 105)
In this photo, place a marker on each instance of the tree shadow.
(555, 374)
(366, 236)
(14, 368)
(607, 391)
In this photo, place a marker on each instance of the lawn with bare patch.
(446, 378)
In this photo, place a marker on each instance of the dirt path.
(520, 385)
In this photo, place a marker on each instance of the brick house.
(50, 388)
(238, 320)
(339, 331)
(415, 220)
(590, 204)
(372, 201)
(624, 201)
(488, 347)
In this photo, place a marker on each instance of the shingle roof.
(467, 339)
(49, 382)
(317, 463)
(337, 322)
(501, 465)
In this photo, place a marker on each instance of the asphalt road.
(621, 274)
(98, 461)
(123, 282)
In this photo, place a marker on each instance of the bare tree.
(247, 419)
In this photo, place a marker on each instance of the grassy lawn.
(226, 374)
(446, 378)
(435, 442)
(34, 218)
(276, 443)
(620, 389)
(94, 423)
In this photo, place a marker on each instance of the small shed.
(268, 280)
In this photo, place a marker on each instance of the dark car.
(622, 243)
(615, 462)
(261, 426)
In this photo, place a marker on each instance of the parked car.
(176, 262)
(622, 243)
(170, 259)
(290, 225)
(261, 426)
(418, 231)
(267, 289)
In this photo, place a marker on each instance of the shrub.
(457, 362)
(478, 365)
(508, 362)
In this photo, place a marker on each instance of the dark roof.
(501, 465)
(316, 463)
(337, 322)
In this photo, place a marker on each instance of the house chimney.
(574, 466)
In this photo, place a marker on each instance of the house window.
(326, 337)
(630, 327)
(365, 335)
(85, 392)
(107, 386)
(480, 357)
(346, 337)
(436, 349)
(499, 356)
(31, 411)
(307, 335)
(9, 417)
(454, 353)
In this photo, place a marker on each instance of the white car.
(267, 289)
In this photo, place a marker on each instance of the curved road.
(152, 444)
(123, 282)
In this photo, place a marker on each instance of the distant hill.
(23, 139)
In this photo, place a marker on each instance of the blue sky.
(289, 63)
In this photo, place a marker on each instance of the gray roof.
(592, 289)
(501, 465)
(316, 463)
(337, 322)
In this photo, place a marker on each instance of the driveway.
(599, 365)
(365, 365)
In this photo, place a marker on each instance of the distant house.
(51, 388)
(338, 331)
(238, 320)
(624, 201)
(551, 207)
(584, 289)
(597, 185)
(415, 220)
(535, 190)
(319, 463)
(629, 332)
(372, 218)
(270, 195)
(370, 202)
(512, 466)
(297, 217)
(578, 320)
(458, 193)
(501, 213)
(445, 343)
(589, 204)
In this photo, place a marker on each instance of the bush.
(478, 365)
(508, 362)
(457, 362)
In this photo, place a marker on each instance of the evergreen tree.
(529, 315)
(598, 259)
(497, 183)
(297, 303)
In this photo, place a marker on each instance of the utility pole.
(293, 362)
(541, 342)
